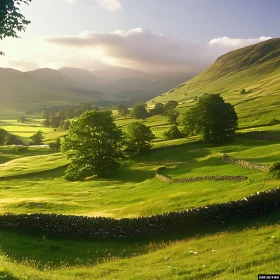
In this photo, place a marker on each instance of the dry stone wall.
(245, 164)
(198, 179)
(195, 220)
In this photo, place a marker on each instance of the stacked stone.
(196, 219)
(198, 179)
(245, 164)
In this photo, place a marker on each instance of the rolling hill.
(22, 91)
(255, 68)
(43, 88)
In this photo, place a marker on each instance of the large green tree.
(94, 145)
(157, 110)
(139, 112)
(11, 20)
(212, 118)
(170, 105)
(139, 137)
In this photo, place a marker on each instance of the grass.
(235, 254)
(238, 252)
(8, 153)
(134, 191)
(229, 75)
(32, 164)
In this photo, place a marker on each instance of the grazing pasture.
(133, 191)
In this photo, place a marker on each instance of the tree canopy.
(94, 145)
(37, 138)
(173, 133)
(122, 110)
(139, 137)
(157, 110)
(11, 20)
(212, 118)
(139, 112)
(3, 136)
(170, 105)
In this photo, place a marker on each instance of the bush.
(275, 121)
(55, 146)
(274, 170)
(20, 149)
(173, 133)
(243, 91)
(6, 275)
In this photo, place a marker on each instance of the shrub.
(243, 91)
(20, 149)
(55, 146)
(173, 133)
(275, 121)
(6, 275)
(274, 170)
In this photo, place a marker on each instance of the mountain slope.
(255, 68)
(22, 91)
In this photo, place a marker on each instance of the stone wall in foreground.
(188, 221)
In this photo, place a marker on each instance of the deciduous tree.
(11, 20)
(139, 112)
(139, 137)
(212, 118)
(94, 145)
(37, 138)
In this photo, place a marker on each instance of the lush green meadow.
(134, 191)
(234, 254)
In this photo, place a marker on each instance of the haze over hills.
(255, 68)
(23, 91)
(48, 87)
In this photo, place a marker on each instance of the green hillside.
(255, 68)
(22, 91)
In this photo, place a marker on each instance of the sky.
(149, 35)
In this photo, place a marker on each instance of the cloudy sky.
(149, 35)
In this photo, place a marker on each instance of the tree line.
(61, 119)
(95, 145)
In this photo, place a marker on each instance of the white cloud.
(110, 5)
(135, 48)
(235, 43)
(141, 49)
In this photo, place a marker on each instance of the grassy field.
(134, 191)
(235, 254)
(240, 251)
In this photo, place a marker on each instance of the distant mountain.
(113, 73)
(48, 87)
(255, 69)
(51, 76)
(26, 91)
